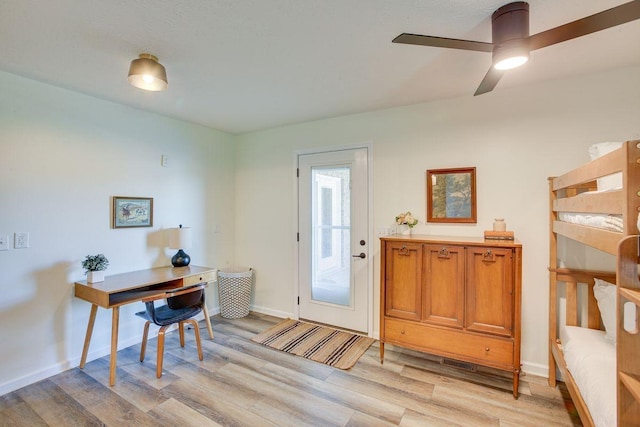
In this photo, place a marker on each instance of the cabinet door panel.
(403, 280)
(444, 285)
(489, 306)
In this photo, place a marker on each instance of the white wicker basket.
(234, 291)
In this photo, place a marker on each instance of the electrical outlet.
(164, 161)
(21, 240)
(4, 242)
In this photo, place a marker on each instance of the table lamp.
(180, 238)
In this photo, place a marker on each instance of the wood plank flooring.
(241, 383)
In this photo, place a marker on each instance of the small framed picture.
(451, 195)
(129, 212)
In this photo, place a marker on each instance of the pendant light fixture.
(147, 73)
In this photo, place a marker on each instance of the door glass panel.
(331, 235)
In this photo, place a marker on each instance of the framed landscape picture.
(129, 212)
(451, 195)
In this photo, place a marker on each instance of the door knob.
(362, 255)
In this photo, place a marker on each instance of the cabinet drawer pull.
(486, 349)
(443, 253)
(403, 250)
(402, 332)
(488, 256)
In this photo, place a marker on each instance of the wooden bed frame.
(625, 202)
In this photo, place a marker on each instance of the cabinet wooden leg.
(381, 352)
(516, 382)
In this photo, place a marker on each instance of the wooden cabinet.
(454, 297)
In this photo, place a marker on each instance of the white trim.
(536, 369)
(271, 312)
(58, 368)
(296, 227)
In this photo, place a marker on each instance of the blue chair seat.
(165, 315)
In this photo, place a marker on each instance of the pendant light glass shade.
(147, 73)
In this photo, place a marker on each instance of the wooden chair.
(182, 305)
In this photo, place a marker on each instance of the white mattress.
(605, 221)
(591, 359)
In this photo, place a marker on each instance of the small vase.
(406, 230)
(499, 225)
(95, 276)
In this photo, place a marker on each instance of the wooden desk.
(121, 289)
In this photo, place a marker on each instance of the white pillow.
(612, 181)
(605, 293)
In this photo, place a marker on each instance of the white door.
(333, 248)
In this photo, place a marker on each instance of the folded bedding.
(604, 221)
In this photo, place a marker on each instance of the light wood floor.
(241, 383)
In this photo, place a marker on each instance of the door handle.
(362, 255)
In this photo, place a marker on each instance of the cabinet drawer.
(209, 276)
(484, 350)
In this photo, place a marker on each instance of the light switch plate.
(4, 242)
(21, 240)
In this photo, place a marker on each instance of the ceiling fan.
(511, 42)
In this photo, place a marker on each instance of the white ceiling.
(243, 65)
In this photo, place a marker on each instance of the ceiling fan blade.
(600, 21)
(433, 41)
(489, 82)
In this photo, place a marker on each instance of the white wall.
(63, 156)
(515, 138)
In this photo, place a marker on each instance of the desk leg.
(115, 320)
(87, 337)
(205, 310)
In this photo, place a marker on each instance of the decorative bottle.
(499, 225)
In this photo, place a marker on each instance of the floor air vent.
(457, 364)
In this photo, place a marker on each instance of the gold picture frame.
(451, 195)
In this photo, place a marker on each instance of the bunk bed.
(598, 205)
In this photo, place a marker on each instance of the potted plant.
(94, 266)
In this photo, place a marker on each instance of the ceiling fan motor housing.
(510, 22)
(510, 30)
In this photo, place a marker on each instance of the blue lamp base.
(180, 259)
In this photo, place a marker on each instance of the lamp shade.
(147, 73)
(180, 238)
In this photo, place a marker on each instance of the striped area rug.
(325, 345)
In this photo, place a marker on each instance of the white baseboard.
(50, 371)
(270, 312)
(535, 369)
(57, 368)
